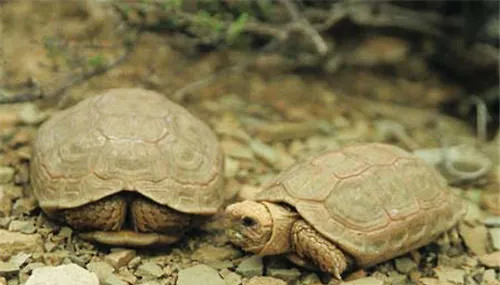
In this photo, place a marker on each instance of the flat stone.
(405, 265)
(25, 227)
(101, 269)
(113, 280)
(492, 221)
(231, 167)
(265, 281)
(365, 281)
(149, 270)
(62, 275)
(14, 192)
(6, 174)
(210, 253)
(24, 205)
(489, 277)
(475, 238)
(120, 257)
(251, 266)
(20, 258)
(8, 268)
(12, 243)
(231, 278)
(264, 152)
(495, 237)
(31, 114)
(491, 260)
(449, 274)
(289, 274)
(236, 149)
(134, 262)
(433, 281)
(199, 274)
(5, 203)
(127, 276)
(218, 265)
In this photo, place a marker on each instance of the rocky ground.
(266, 119)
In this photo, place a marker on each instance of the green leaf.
(97, 61)
(236, 27)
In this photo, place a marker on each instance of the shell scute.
(353, 202)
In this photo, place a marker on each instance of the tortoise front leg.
(310, 245)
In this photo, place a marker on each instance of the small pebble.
(119, 258)
(134, 262)
(20, 258)
(31, 114)
(264, 152)
(231, 167)
(12, 243)
(101, 269)
(231, 278)
(149, 270)
(489, 277)
(288, 275)
(365, 281)
(405, 265)
(8, 268)
(62, 275)
(495, 237)
(475, 238)
(491, 260)
(113, 280)
(251, 266)
(199, 274)
(492, 221)
(265, 281)
(5, 203)
(449, 274)
(210, 253)
(6, 174)
(25, 227)
(236, 149)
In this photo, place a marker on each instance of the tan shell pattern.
(132, 140)
(375, 201)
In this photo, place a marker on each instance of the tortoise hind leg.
(148, 216)
(309, 245)
(107, 214)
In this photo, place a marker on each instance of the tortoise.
(127, 167)
(351, 207)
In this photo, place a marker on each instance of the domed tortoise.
(127, 167)
(351, 207)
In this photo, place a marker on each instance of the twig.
(482, 117)
(301, 23)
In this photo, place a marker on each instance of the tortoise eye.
(248, 222)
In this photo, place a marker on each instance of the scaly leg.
(310, 245)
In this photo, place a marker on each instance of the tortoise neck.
(283, 220)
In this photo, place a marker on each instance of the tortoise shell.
(127, 140)
(374, 201)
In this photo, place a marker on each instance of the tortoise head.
(249, 225)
